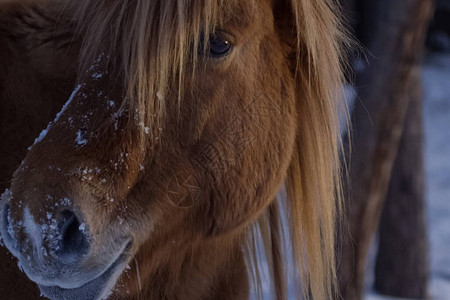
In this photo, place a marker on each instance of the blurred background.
(397, 243)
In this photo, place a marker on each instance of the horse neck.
(208, 270)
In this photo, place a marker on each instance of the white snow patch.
(68, 102)
(6, 196)
(41, 135)
(374, 296)
(65, 201)
(34, 230)
(436, 75)
(45, 131)
(81, 140)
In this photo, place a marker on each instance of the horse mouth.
(96, 289)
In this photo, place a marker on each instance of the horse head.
(186, 120)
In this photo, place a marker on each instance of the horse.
(178, 123)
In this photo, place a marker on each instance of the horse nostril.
(74, 241)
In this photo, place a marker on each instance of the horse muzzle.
(58, 252)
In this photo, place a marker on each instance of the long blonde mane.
(152, 60)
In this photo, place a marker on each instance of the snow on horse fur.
(177, 123)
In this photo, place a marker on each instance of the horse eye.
(218, 46)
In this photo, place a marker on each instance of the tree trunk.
(378, 119)
(402, 266)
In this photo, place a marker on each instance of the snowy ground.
(437, 159)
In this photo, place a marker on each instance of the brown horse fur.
(165, 155)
